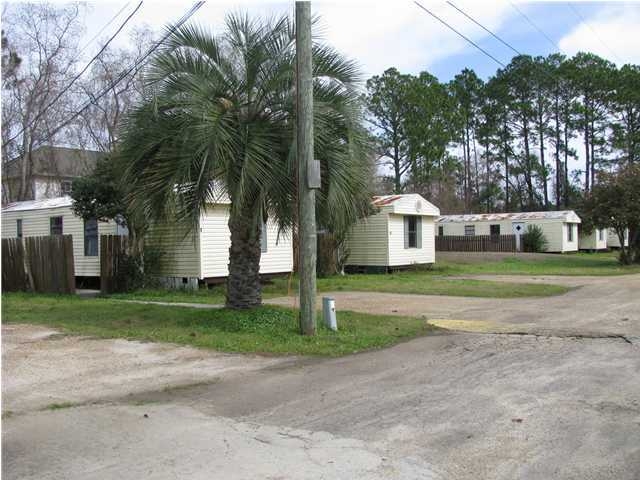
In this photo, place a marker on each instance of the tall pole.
(306, 194)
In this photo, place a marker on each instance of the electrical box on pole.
(313, 175)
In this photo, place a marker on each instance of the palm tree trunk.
(243, 283)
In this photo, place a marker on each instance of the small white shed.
(559, 227)
(400, 234)
(594, 240)
(35, 218)
(204, 253)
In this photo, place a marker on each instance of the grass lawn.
(416, 282)
(432, 282)
(604, 263)
(269, 330)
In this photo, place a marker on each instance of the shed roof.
(406, 204)
(563, 215)
(66, 201)
(38, 204)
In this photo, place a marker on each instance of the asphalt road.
(543, 389)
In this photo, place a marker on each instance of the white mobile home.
(51, 216)
(203, 254)
(594, 240)
(400, 234)
(560, 228)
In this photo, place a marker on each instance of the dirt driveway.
(450, 406)
(598, 306)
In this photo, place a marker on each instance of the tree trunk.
(506, 167)
(243, 283)
(593, 154)
(397, 174)
(557, 154)
(587, 165)
(566, 162)
(527, 162)
(545, 180)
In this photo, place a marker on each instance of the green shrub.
(534, 240)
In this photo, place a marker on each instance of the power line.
(103, 28)
(74, 79)
(583, 20)
(460, 34)
(485, 29)
(522, 14)
(495, 36)
(136, 65)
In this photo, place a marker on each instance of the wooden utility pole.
(306, 180)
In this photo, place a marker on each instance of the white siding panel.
(613, 241)
(279, 255)
(367, 241)
(398, 255)
(413, 204)
(215, 240)
(36, 223)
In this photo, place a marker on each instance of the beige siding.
(179, 251)
(215, 240)
(36, 223)
(367, 241)
(592, 241)
(398, 255)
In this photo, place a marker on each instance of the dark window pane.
(91, 238)
(55, 225)
(494, 229)
(412, 232)
(19, 228)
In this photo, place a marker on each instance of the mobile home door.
(518, 231)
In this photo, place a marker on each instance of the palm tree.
(220, 120)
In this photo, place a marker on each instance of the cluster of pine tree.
(508, 143)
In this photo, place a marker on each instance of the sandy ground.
(452, 406)
(42, 367)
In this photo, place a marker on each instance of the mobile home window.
(65, 186)
(494, 229)
(91, 238)
(19, 228)
(441, 230)
(601, 235)
(55, 225)
(569, 232)
(469, 230)
(263, 237)
(412, 233)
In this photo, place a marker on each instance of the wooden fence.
(476, 243)
(40, 264)
(14, 275)
(112, 251)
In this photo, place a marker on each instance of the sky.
(382, 34)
